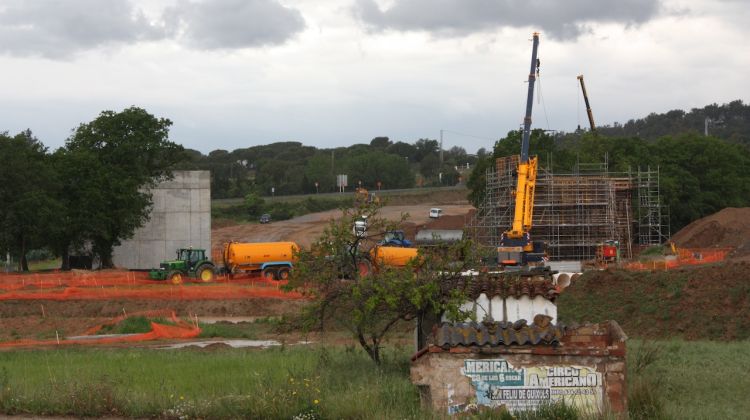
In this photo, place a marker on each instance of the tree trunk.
(105, 261)
(23, 263)
(65, 256)
(372, 350)
(104, 251)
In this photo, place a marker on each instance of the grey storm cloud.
(561, 19)
(227, 24)
(61, 28)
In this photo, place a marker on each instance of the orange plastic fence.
(685, 257)
(181, 329)
(132, 285)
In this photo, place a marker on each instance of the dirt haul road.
(306, 229)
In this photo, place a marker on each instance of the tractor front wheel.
(175, 277)
(269, 274)
(205, 273)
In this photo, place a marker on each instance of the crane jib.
(529, 101)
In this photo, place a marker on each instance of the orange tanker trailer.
(273, 260)
(386, 256)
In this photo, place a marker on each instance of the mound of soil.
(698, 303)
(729, 227)
(447, 222)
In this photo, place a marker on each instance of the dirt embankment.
(45, 319)
(711, 302)
(729, 227)
(306, 229)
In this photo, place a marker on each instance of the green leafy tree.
(371, 167)
(369, 305)
(380, 142)
(132, 152)
(407, 151)
(84, 204)
(430, 166)
(254, 204)
(28, 207)
(318, 169)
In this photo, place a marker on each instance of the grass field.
(684, 380)
(696, 379)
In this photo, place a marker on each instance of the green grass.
(41, 265)
(133, 325)
(279, 210)
(227, 330)
(694, 379)
(275, 383)
(667, 380)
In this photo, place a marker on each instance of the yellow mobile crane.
(516, 247)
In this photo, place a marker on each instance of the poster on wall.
(497, 383)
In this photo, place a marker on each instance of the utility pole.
(441, 146)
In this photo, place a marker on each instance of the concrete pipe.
(563, 280)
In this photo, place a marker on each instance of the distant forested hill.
(730, 122)
(293, 168)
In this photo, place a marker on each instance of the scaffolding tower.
(575, 212)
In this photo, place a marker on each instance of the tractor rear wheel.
(175, 277)
(283, 273)
(205, 273)
(269, 274)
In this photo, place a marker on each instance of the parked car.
(265, 218)
(435, 212)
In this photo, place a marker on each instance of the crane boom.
(527, 166)
(530, 100)
(588, 106)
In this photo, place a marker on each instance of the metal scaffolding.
(576, 211)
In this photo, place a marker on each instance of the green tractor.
(189, 263)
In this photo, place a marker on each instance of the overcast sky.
(237, 73)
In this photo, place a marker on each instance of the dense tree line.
(699, 175)
(292, 168)
(730, 122)
(91, 193)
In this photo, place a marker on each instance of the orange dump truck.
(273, 260)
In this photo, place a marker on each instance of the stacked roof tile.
(503, 285)
(494, 334)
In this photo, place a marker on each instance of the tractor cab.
(191, 256)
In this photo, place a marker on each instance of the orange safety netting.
(181, 329)
(685, 257)
(133, 285)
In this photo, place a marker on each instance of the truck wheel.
(283, 273)
(175, 277)
(269, 274)
(205, 273)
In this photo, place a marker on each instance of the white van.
(435, 212)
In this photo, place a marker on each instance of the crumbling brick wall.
(453, 378)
